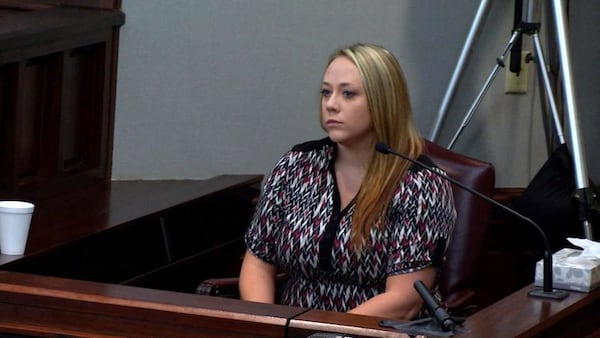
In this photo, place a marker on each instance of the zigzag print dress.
(299, 227)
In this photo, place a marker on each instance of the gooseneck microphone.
(440, 324)
(547, 291)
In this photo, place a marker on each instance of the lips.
(332, 123)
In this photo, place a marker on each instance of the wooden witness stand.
(48, 293)
(46, 306)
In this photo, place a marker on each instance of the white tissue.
(590, 248)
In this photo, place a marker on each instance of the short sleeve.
(263, 230)
(421, 218)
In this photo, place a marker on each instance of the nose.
(331, 103)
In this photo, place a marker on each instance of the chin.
(337, 138)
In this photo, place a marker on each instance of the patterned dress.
(299, 227)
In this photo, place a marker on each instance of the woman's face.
(344, 109)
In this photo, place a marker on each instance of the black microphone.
(547, 290)
(439, 324)
(437, 311)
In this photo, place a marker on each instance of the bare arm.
(400, 299)
(257, 280)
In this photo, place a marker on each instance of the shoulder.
(418, 177)
(425, 160)
(310, 154)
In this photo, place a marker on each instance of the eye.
(348, 94)
(325, 92)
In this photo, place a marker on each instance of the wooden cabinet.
(57, 92)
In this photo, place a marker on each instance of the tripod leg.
(581, 175)
(542, 71)
(486, 86)
(462, 61)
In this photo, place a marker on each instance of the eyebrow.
(343, 84)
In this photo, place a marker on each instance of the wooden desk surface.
(352, 325)
(101, 206)
(38, 305)
(519, 315)
(49, 306)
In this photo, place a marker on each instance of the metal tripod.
(530, 25)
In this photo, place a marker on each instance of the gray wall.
(207, 87)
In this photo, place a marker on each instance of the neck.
(355, 154)
(351, 165)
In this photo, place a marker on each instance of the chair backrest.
(459, 274)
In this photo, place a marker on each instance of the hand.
(400, 299)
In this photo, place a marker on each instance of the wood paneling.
(57, 88)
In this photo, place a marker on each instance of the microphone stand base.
(425, 326)
(554, 294)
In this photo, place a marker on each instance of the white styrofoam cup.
(15, 219)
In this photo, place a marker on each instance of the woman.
(353, 229)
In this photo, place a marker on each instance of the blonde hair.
(391, 114)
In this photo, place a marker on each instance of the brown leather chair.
(459, 275)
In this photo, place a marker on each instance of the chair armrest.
(221, 287)
(460, 303)
(228, 287)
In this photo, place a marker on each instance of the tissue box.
(571, 271)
